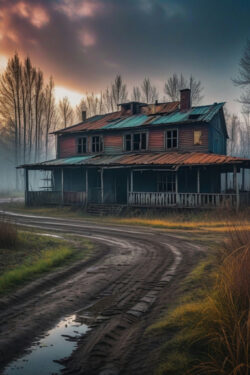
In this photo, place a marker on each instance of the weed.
(8, 234)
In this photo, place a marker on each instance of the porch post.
(131, 181)
(198, 180)
(26, 187)
(62, 185)
(127, 188)
(226, 183)
(102, 185)
(236, 188)
(176, 188)
(243, 180)
(86, 184)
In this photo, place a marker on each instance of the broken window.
(166, 182)
(82, 145)
(197, 137)
(135, 142)
(97, 144)
(172, 138)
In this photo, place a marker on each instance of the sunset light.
(73, 96)
(3, 62)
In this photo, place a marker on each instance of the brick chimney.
(185, 99)
(84, 115)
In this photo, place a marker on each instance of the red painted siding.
(67, 146)
(113, 143)
(156, 140)
(186, 138)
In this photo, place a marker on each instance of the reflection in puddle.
(58, 343)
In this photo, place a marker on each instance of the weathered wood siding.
(67, 146)
(156, 140)
(186, 138)
(113, 144)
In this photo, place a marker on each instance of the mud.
(132, 278)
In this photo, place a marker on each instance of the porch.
(186, 187)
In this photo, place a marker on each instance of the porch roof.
(170, 159)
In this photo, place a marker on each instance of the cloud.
(87, 38)
(85, 43)
(34, 13)
(79, 8)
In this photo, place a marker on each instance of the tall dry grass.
(8, 234)
(226, 316)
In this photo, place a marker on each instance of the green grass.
(36, 254)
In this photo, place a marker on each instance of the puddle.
(54, 346)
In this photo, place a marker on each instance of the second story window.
(136, 142)
(82, 145)
(172, 139)
(97, 144)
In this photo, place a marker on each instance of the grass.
(36, 254)
(208, 331)
(215, 221)
(8, 234)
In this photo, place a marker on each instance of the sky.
(83, 44)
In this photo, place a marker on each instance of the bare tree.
(176, 83)
(49, 112)
(65, 112)
(119, 91)
(149, 92)
(136, 94)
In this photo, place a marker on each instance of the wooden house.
(144, 155)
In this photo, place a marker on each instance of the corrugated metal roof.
(144, 159)
(170, 114)
(152, 109)
(127, 122)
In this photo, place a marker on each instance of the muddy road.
(123, 289)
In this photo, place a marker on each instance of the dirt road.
(133, 276)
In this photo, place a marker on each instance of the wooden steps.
(99, 209)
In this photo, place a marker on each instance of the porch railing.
(36, 198)
(155, 199)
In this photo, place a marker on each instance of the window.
(166, 182)
(136, 142)
(97, 144)
(197, 137)
(128, 142)
(172, 139)
(82, 145)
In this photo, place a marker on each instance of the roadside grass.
(219, 221)
(36, 254)
(208, 330)
(8, 233)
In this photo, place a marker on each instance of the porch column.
(86, 185)
(198, 180)
(102, 185)
(27, 187)
(243, 180)
(176, 188)
(236, 187)
(127, 189)
(226, 182)
(62, 185)
(131, 181)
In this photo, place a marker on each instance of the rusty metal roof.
(172, 159)
(152, 114)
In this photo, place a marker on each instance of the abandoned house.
(144, 155)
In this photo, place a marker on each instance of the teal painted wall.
(217, 136)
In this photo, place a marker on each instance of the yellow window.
(197, 137)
